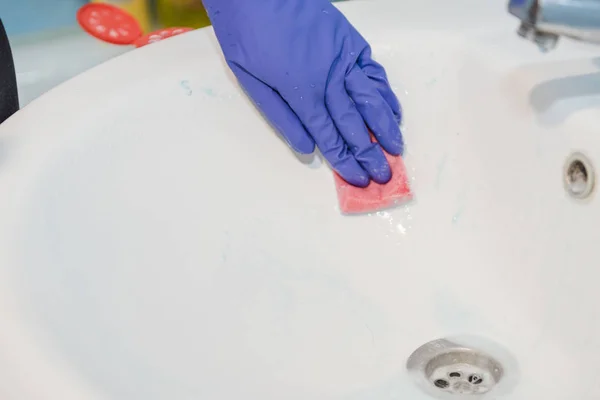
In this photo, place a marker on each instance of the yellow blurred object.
(189, 13)
(139, 9)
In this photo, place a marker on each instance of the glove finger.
(376, 73)
(276, 110)
(352, 127)
(333, 147)
(375, 111)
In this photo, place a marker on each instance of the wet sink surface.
(158, 241)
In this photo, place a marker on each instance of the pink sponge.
(354, 200)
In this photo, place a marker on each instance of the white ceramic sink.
(158, 241)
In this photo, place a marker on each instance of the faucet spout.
(544, 21)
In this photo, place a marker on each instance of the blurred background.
(49, 47)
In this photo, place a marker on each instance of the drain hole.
(475, 379)
(454, 374)
(441, 383)
(578, 169)
(579, 176)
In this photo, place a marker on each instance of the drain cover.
(463, 371)
(448, 368)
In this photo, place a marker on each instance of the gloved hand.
(311, 74)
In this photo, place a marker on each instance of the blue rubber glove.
(311, 74)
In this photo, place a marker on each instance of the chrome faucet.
(544, 21)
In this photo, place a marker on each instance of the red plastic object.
(109, 23)
(375, 197)
(159, 35)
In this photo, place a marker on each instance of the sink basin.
(159, 241)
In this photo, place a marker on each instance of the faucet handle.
(528, 12)
(545, 41)
(543, 21)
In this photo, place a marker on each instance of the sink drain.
(579, 176)
(446, 368)
(463, 371)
